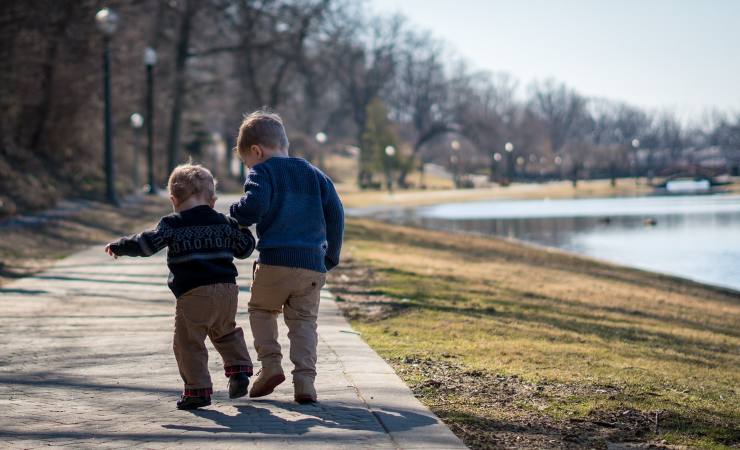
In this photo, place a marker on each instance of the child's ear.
(212, 202)
(257, 151)
(174, 201)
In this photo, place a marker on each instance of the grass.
(514, 345)
(27, 247)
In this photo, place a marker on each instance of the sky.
(679, 55)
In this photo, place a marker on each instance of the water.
(695, 237)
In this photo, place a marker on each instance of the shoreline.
(354, 198)
(383, 214)
(553, 250)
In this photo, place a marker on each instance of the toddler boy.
(201, 244)
(300, 222)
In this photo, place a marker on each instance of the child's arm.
(256, 201)
(146, 243)
(244, 245)
(334, 218)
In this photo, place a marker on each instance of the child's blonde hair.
(262, 128)
(191, 179)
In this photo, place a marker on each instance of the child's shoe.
(304, 391)
(238, 384)
(187, 402)
(268, 378)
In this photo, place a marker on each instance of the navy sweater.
(299, 217)
(201, 246)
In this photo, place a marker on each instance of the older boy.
(300, 222)
(201, 246)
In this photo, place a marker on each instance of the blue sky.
(664, 54)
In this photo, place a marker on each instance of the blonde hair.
(262, 128)
(191, 179)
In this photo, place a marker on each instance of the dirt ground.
(32, 242)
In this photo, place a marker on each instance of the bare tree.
(419, 94)
(182, 45)
(364, 64)
(562, 111)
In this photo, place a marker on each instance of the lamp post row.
(107, 22)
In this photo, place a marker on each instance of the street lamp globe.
(497, 156)
(321, 137)
(455, 144)
(150, 56)
(520, 161)
(558, 160)
(137, 120)
(635, 143)
(107, 21)
(509, 147)
(390, 150)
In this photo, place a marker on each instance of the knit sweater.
(201, 245)
(299, 217)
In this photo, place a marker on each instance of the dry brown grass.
(355, 198)
(32, 245)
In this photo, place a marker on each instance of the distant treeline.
(328, 66)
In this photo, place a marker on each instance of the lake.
(695, 237)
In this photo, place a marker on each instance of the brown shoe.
(304, 391)
(268, 378)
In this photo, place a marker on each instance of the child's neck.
(190, 203)
(276, 154)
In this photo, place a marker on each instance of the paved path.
(86, 361)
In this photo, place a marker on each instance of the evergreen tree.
(379, 134)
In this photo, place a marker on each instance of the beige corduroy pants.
(208, 311)
(296, 293)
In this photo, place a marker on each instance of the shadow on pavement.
(48, 380)
(22, 291)
(252, 418)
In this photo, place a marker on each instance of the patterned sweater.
(201, 244)
(299, 217)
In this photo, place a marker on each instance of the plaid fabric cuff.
(202, 392)
(232, 370)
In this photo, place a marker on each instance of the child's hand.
(110, 252)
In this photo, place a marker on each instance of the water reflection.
(692, 237)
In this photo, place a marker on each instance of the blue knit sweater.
(299, 217)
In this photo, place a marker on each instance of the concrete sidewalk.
(86, 361)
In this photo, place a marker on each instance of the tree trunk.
(401, 180)
(47, 78)
(181, 59)
(574, 176)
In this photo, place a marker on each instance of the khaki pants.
(296, 293)
(208, 311)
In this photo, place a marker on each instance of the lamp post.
(495, 159)
(137, 121)
(107, 22)
(558, 164)
(321, 139)
(389, 152)
(509, 148)
(150, 59)
(455, 146)
(635, 147)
